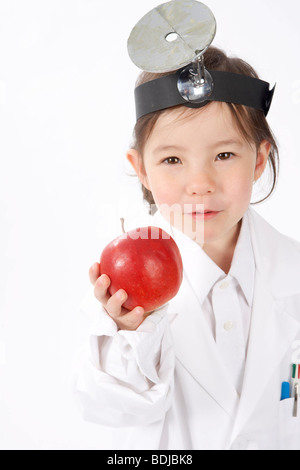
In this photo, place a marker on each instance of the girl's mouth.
(205, 215)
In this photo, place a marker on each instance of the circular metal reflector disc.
(167, 37)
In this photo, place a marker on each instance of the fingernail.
(120, 295)
(139, 311)
(103, 279)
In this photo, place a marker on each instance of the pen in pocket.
(296, 387)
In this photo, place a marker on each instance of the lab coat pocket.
(289, 426)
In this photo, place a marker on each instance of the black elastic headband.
(228, 87)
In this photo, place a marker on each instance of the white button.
(228, 326)
(224, 285)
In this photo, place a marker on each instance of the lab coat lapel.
(273, 326)
(272, 332)
(196, 350)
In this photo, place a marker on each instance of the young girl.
(206, 370)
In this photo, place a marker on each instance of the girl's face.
(198, 163)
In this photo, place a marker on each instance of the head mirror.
(171, 36)
(172, 39)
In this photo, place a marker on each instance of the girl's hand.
(125, 319)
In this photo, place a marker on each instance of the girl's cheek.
(164, 192)
(242, 191)
(162, 197)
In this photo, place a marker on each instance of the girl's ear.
(136, 161)
(262, 158)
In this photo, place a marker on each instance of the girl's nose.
(200, 183)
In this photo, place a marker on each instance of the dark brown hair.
(251, 122)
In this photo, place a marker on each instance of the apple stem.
(122, 223)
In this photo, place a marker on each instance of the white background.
(66, 119)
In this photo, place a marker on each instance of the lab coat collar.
(199, 269)
(196, 264)
(199, 266)
(243, 265)
(277, 257)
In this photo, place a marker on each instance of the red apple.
(147, 264)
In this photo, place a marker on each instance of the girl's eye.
(225, 156)
(172, 161)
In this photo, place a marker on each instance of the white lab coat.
(168, 386)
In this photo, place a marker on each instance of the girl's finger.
(94, 272)
(100, 289)
(132, 320)
(115, 302)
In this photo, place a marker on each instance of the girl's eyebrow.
(178, 148)
(168, 148)
(220, 143)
